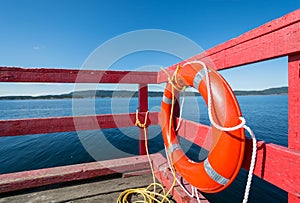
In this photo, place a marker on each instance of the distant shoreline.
(128, 94)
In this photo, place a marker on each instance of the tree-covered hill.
(109, 93)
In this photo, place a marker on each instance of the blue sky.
(63, 33)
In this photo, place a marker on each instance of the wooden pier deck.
(91, 182)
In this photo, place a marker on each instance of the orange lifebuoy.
(225, 158)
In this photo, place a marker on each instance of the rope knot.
(138, 122)
(174, 81)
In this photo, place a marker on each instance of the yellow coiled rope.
(149, 194)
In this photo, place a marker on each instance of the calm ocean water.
(266, 115)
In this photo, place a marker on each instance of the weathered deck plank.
(105, 191)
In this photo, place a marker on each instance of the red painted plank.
(143, 107)
(66, 124)
(15, 74)
(35, 178)
(275, 164)
(277, 38)
(293, 198)
(269, 27)
(294, 108)
(294, 101)
(188, 130)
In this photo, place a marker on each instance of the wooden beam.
(29, 179)
(294, 109)
(275, 164)
(277, 38)
(55, 75)
(69, 123)
(189, 130)
(294, 101)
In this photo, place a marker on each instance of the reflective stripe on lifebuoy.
(224, 160)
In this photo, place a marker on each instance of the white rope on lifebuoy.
(194, 192)
(241, 125)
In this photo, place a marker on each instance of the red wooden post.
(143, 107)
(294, 108)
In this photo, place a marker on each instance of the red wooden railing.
(280, 37)
(275, 164)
